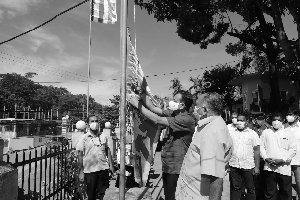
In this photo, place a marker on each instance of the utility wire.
(42, 65)
(46, 22)
(158, 75)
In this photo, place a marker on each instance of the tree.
(30, 74)
(205, 22)
(16, 89)
(218, 80)
(176, 85)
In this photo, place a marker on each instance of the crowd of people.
(259, 154)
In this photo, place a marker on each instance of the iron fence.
(45, 172)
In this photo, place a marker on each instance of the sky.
(58, 52)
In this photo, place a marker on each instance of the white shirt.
(206, 155)
(278, 145)
(231, 127)
(243, 144)
(295, 130)
(94, 154)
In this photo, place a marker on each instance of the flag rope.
(89, 63)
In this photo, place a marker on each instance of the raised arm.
(147, 113)
(148, 104)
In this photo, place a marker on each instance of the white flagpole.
(123, 56)
(89, 67)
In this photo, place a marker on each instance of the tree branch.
(248, 40)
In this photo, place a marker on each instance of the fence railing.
(44, 172)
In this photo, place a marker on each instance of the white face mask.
(276, 124)
(234, 121)
(290, 118)
(94, 126)
(240, 125)
(173, 105)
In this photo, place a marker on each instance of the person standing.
(95, 160)
(181, 125)
(245, 160)
(277, 149)
(203, 169)
(292, 127)
(232, 125)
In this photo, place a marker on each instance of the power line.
(158, 75)
(39, 64)
(46, 22)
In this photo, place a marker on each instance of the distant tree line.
(20, 90)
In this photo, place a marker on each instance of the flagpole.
(123, 55)
(89, 68)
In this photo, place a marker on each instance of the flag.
(146, 133)
(104, 11)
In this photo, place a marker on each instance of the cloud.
(42, 37)
(17, 7)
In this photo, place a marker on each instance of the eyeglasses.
(94, 121)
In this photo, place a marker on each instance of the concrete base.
(8, 182)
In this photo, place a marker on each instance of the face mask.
(240, 125)
(173, 105)
(277, 124)
(290, 118)
(94, 126)
(234, 121)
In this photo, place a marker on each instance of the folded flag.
(104, 11)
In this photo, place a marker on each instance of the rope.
(46, 22)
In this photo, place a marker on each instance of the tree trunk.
(281, 36)
(292, 7)
(272, 59)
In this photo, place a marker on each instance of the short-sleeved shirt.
(295, 130)
(181, 129)
(94, 152)
(243, 153)
(207, 155)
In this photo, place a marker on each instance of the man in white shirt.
(292, 127)
(203, 169)
(245, 159)
(93, 161)
(232, 126)
(277, 149)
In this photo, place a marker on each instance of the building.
(255, 91)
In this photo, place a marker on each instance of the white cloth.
(231, 127)
(94, 154)
(207, 154)
(295, 130)
(278, 145)
(243, 144)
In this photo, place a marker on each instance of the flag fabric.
(104, 11)
(146, 133)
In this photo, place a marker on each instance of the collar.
(245, 130)
(89, 134)
(294, 124)
(206, 120)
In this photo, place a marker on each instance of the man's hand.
(81, 176)
(256, 171)
(133, 100)
(278, 161)
(269, 160)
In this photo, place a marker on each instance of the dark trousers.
(272, 179)
(237, 177)
(97, 183)
(259, 182)
(170, 183)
